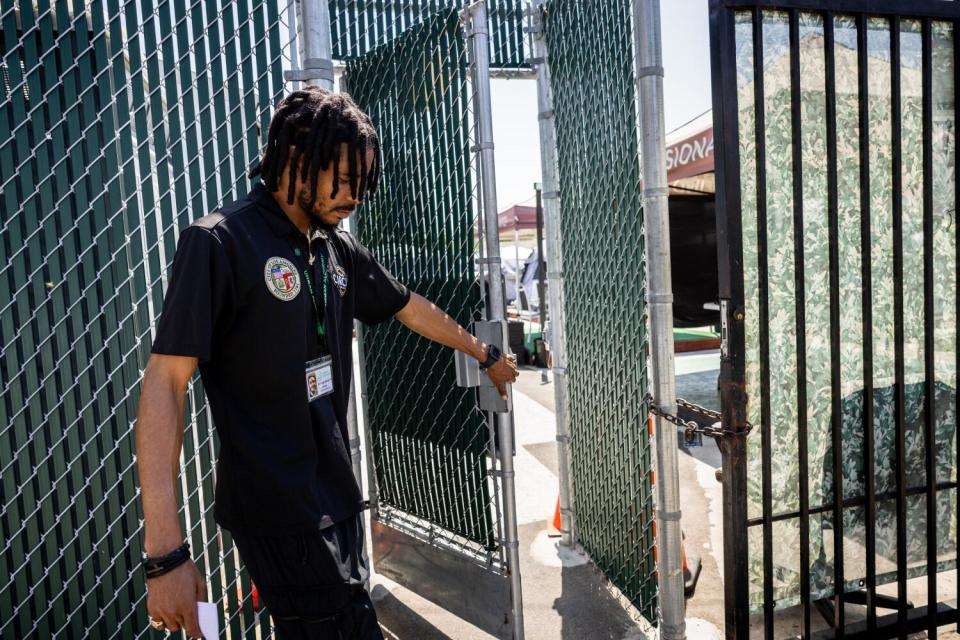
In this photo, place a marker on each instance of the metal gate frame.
(733, 307)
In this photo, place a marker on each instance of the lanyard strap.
(321, 322)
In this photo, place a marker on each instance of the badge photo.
(319, 377)
(282, 278)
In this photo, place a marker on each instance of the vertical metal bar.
(541, 288)
(293, 28)
(801, 321)
(866, 283)
(353, 430)
(551, 210)
(315, 33)
(649, 73)
(956, 263)
(478, 31)
(760, 126)
(516, 259)
(372, 490)
(836, 417)
(730, 277)
(899, 400)
(929, 413)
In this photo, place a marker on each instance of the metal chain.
(691, 427)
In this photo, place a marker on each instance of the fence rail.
(357, 27)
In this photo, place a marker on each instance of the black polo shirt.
(238, 301)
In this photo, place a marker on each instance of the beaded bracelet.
(155, 567)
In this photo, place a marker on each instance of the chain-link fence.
(429, 440)
(121, 122)
(601, 222)
(359, 27)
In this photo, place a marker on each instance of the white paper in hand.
(209, 620)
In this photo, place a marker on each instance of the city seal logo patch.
(282, 278)
(340, 279)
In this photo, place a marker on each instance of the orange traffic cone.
(553, 526)
(683, 552)
(690, 573)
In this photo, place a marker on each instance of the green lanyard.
(321, 324)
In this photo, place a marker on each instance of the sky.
(686, 88)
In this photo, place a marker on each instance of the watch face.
(493, 352)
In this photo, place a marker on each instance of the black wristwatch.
(493, 355)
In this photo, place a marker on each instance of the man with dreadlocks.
(262, 297)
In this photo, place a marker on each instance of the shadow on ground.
(399, 622)
(588, 609)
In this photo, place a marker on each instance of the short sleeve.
(379, 296)
(196, 296)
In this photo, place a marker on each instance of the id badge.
(319, 378)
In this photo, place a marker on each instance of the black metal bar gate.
(836, 136)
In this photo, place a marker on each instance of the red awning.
(518, 217)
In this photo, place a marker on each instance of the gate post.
(356, 386)
(733, 399)
(313, 30)
(475, 18)
(649, 74)
(551, 208)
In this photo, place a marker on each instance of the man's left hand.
(502, 372)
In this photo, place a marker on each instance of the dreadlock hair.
(318, 122)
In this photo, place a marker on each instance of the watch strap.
(493, 356)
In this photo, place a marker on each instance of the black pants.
(313, 584)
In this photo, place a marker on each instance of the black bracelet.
(155, 567)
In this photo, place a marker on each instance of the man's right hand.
(172, 598)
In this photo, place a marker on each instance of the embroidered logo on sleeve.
(340, 279)
(282, 278)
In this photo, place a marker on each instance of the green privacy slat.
(121, 122)
(358, 27)
(590, 46)
(429, 446)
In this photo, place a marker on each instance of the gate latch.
(468, 369)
